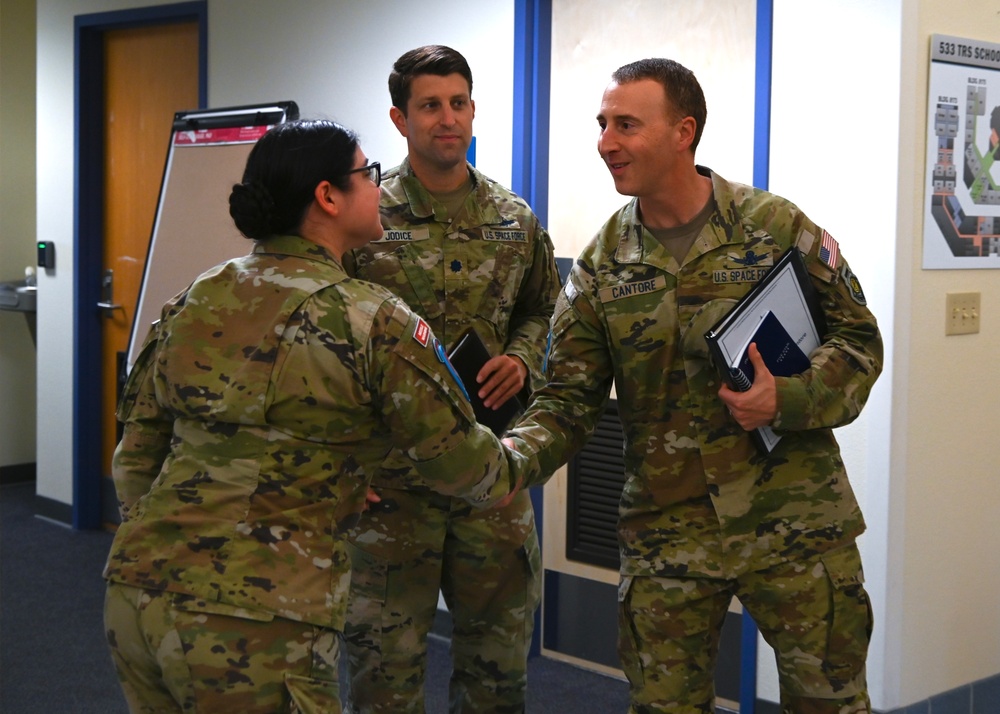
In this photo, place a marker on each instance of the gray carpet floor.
(53, 658)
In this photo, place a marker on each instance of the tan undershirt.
(679, 239)
(454, 200)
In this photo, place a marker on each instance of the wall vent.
(596, 476)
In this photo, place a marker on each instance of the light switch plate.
(961, 313)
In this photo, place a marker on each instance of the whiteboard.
(192, 230)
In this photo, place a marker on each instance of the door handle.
(107, 304)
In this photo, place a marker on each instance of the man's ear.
(399, 120)
(327, 198)
(686, 129)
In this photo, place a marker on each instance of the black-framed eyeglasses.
(374, 170)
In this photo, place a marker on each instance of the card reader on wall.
(46, 254)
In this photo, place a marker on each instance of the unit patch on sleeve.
(422, 332)
(853, 286)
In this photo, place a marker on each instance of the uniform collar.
(637, 245)
(296, 246)
(480, 207)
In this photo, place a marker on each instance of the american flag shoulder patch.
(829, 251)
(422, 332)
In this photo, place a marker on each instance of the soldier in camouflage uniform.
(255, 416)
(704, 516)
(463, 252)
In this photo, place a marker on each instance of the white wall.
(834, 152)
(713, 38)
(332, 58)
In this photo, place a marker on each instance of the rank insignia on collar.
(853, 286)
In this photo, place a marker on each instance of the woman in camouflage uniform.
(260, 404)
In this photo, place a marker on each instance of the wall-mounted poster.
(962, 207)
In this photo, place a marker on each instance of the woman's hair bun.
(252, 209)
(282, 172)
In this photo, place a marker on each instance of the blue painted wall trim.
(748, 664)
(532, 83)
(761, 175)
(530, 148)
(88, 222)
(762, 95)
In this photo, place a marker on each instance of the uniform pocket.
(628, 638)
(533, 567)
(499, 292)
(318, 692)
(851, 617)
(312, 696)
(369, 574)
(365, 610)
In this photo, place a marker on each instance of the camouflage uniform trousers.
(486, 563)
(814, 613)
(175, 660)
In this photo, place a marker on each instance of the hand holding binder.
(783, 317)
(782, 355)
(468, 357)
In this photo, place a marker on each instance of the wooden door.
(150, 73)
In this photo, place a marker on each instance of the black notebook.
(468, 357)
(782, 315)
(779, 351)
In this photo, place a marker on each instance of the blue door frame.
(88, 224)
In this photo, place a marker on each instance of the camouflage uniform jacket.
(492, 267)
(254, 417)
(699, 499)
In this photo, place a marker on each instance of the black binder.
(468, 357)
(784, 305)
